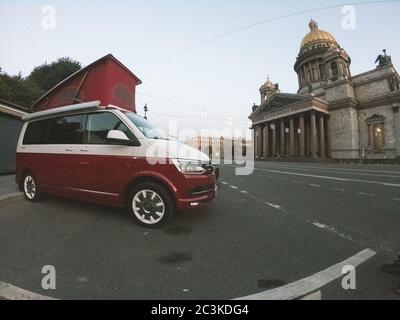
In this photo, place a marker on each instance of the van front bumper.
(199, 189)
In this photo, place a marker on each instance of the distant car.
(112, 156)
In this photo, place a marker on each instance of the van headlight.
(189, 166)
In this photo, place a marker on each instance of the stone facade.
(334, 114)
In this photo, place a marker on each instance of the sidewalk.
(8, 188)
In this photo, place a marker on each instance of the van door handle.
(84, 150)
(69, 150)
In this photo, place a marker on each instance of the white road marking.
(338, 170)
(314, 185)
(244, 192)
(225, 183)
(332, 230)
(297, 182)
(313, 296)
(234, 187)
(338, 189)
(303, 287)
(366, 194)
(330, 178)
(275, 206)
(395, 199)
(10, 292)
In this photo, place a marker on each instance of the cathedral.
(334, 115)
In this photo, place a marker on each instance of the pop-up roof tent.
(106, 79)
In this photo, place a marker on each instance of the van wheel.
(151, 204)
(31, 188)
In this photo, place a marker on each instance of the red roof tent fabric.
(106, 79)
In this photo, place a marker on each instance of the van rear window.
(36, 132)
(62, 130)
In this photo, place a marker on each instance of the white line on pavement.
(304, 287)
(390, 173)
(10, 292)
(366, 194)
(225, 183)
(332, 230)
(234, 187)
(313, 296)
(338, 189)
(244, 192)
(329, 178)
(395, 199)
(314, 185)
(275, 206)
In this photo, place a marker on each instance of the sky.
(210, 84)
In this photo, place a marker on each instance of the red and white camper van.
(112, 156)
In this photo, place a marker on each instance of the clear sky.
(221, 76)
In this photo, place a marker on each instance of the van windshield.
(150, 131)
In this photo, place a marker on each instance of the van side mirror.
(118, 137)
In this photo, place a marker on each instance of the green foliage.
(25, 91)
(47, 76)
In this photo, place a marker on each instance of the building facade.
(10, 128)
(220, 148)
(334, 114)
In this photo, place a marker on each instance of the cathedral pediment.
(279, 101)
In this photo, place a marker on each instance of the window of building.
(322, 71)
(308, 74)
(334, 69)
(376, 133)
(378, 137)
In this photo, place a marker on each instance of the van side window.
(99, 124)
(35, 132)
(67, 130)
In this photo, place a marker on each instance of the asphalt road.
(280, 224)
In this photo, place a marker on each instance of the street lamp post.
(145, 108)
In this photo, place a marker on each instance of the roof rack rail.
(86, 106)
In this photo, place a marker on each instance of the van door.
(103, 165)
(64, 140)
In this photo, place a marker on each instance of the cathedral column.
(282, 153)
(291, 128)
(266, 140)
(322, 136)
(328, 136)
(302, 144)
(273, 147)
(255, 141)
(313, 135)
(396, 115)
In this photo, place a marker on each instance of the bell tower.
(268, 89)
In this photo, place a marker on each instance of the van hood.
(178, 150)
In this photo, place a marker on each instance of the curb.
(11, 197)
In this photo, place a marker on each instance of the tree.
(25, 91)
(47, 76)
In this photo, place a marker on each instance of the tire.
(30, 188)
(150, 204)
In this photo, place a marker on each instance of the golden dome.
(317, 36)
